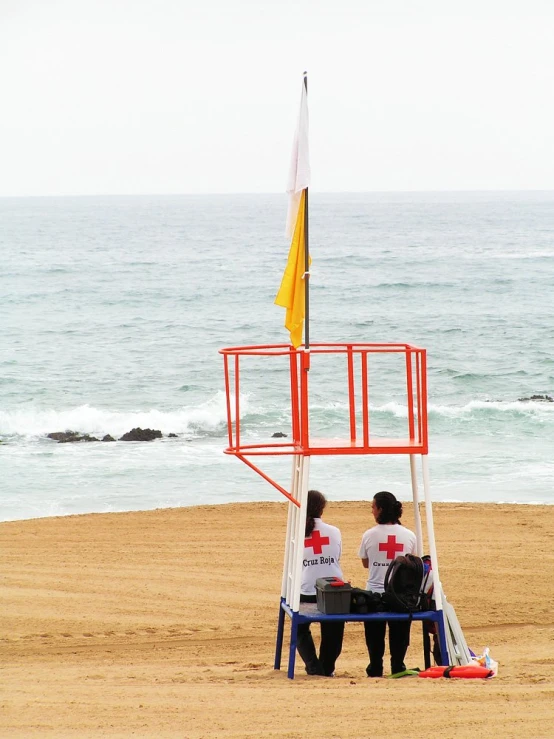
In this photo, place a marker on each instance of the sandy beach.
(162, 624)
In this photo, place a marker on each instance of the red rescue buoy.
(457, 671)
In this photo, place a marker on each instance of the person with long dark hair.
(322, 550)
(380, 546)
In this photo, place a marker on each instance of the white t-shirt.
(322, 550)
(380, 545)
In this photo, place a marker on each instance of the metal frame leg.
(426, 646)
(442, 638)
(279, 641)
(292, 648)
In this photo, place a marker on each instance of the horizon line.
(278, 192)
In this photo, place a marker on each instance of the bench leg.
(279, 642)
(426, 646)
(292, 649)
(445, 659)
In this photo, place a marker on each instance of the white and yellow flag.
(292, 292)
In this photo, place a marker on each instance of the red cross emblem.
(316, 541)
(391, 547)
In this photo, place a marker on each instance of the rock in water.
(70, 437)
(62, 435)
(139, 434)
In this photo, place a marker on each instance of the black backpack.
(405, 584)
(365, 601)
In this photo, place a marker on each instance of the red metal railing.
(303, 367)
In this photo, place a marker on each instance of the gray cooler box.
(333, 595)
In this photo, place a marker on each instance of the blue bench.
(309, 613)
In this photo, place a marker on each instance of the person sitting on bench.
(322, 550)
(380, 546)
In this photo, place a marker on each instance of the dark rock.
(139, 434)
(70, 437)
(77, 438)
(172, 436)
(62, 435)
(278, 435)
(540, 398)
(108, 438)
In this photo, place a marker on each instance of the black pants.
(332, 633)
(399, 640)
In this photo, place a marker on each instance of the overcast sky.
(173, 96)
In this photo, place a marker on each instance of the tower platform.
(357, 368)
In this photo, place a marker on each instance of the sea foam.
(203, 419)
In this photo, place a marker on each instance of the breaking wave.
(201, 420)
(209, 419)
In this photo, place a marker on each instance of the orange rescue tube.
(457, 671)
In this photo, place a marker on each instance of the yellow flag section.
(292, 292)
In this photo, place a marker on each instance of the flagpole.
(306, 260)
(293, 293)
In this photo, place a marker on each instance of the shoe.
(394, 668)
(314, 668)
(373, 673)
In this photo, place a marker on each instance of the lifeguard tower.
(358, 368)
(360, 365)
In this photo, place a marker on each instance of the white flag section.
(299, 173)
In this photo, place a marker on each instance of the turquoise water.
(114, 308)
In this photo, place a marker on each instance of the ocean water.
(113, 310)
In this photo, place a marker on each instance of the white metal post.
(417, 512)
(289, 535)
(300, 534)
(437, 588)
(293, 521)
